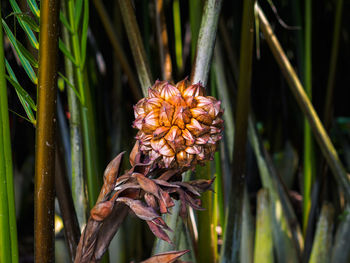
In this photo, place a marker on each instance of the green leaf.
(32, 39)
(25, 63)
(70, 85)
(23, 96)
(34, 8)
(22, 93)
(65, 22)
(84, 32)
(28, 55)
(66, 52)
(77, 12)
(30, 21)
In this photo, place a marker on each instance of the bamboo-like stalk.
(162, 35)
(8, 228)
(308, 141)
(233, 236)
(78, 192)
(177, 33)
(118, 50)
(87, 123)
(136, 45)
(195, 9)
(318, 130)
(45, 133)
(206, 42)
(333, 64)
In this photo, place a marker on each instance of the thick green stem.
(317, 128)
(45, 133)
(138, 51)
(87, 123)
(8, 228)
(206, 42)
(78, 193)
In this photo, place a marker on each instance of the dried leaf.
(134, 157)
(110, 176)
(165, 183)
(147, 184)
(151, 201)
(202, 185)
(167, 257)
(139, 208)
(159, 232)
(100, 211)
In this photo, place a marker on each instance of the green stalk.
(90, 151)
(178, 36)
(232, 239)
(333, 64)
(138, 51)
(318, 130)
(195, 7)
(8, 228)
(308, 145)
(206, 42)
(45, 133)
(78, 193)
(207, 246)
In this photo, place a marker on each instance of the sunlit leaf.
(77, 12)
(32, 60)
(30, 21)
(25, 63)
(70, 85)
(65, 22)
(31, 36)
(34, 7)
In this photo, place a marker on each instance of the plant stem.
(233, 236)
(178, 36)
(118, 50)
(195, 7)
(78, 193)
(8, 228)
(320, 134)
(206, 42)
(136, 45)
(45, 133)
(308, 145)
(333, 64)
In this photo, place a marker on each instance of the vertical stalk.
(308, 145)
(206, 42)
(233, 237)
(78, 193)
(136, 45)
(8, 228)
(45, 133)
(194, 23)
(178, 36)
(333, 64)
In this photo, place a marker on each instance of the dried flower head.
(179, 126)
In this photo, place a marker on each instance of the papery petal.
(201, 115)
(160, 132)
(196, 128)
(166, 113)
(182, 116)
(168, 91)
(194, 90)
(187, 135)
(150, 122)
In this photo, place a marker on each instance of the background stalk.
(8, 227)
(45, 132)
(233, 237)
(135, 41)
(308, 142)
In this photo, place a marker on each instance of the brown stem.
(45, 133)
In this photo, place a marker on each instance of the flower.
(179, 126)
